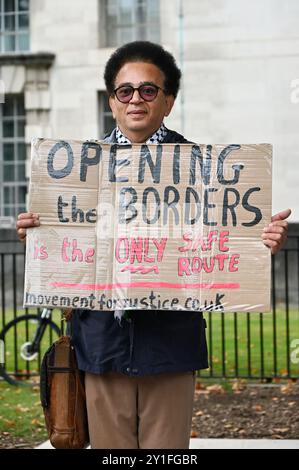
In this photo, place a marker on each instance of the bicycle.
(23, 344)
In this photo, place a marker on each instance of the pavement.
(228, 444)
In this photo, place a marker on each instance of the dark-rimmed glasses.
(148, 92)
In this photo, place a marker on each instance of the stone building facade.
(240, 62)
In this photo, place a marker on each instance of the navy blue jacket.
(151, 342)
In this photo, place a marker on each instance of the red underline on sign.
(162, 285)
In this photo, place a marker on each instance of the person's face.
(139, 119)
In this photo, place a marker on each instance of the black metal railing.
(241, 345)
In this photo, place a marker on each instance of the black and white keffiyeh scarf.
(156, 138)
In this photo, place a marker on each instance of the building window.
(13, 185)
(14, 25)
(106, 121)
(130, 20)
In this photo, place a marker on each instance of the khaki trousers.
(152, 412)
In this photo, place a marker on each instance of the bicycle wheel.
(18, 366)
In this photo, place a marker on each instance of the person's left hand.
(275, 234)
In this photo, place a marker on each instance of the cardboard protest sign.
(149, 226)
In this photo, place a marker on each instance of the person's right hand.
(26, 220)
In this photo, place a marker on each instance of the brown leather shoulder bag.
(63, 397)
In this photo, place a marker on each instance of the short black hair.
(143, 51)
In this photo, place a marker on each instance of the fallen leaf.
(194, 434)
(203, 392)
(10, 423)
(239, 385)
(22, 409)
(257, 408)
(36, 422)
(215, 360)
(216, 388)
(287, 389)
(199, 386)
(282, 430)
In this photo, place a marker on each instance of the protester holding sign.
(140, 368)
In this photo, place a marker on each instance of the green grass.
(249, 363)
(21, 414)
